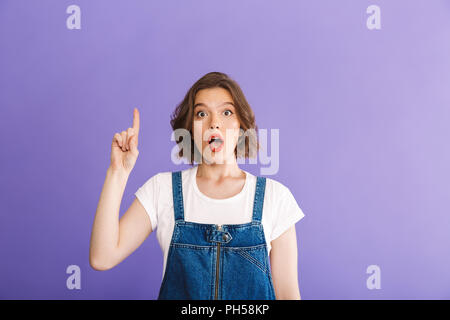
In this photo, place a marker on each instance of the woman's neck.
(219, 171)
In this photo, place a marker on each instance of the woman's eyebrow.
(204, 105)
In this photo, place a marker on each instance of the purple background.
(363, 118)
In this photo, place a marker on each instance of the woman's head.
(216, 105)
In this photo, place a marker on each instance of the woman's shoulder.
(165, 177)
(274, 186)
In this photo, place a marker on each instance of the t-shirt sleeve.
(287, 214)
(148, 195)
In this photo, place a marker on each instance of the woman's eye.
(198, 114)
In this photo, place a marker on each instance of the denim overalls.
(209, 261)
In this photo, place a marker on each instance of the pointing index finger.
(136, 120)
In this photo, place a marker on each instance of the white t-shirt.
(280, 209)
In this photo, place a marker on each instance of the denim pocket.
(256, 257)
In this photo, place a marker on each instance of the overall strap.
(259, 199)
(177, 191)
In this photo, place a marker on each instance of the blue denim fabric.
(207, 261)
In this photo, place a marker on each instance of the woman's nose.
(214, 123)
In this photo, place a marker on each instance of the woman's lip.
(214, 149)
(215, 136)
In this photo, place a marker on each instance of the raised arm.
(113, 240)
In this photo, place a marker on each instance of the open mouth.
(215, 143)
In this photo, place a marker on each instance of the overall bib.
(209, 261)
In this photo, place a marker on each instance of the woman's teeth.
(216, 145)
(215, 140)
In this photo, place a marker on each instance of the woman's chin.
(216, 157)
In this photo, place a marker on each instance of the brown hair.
(183, 115)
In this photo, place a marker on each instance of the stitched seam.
(191, 246)
(213, 266)
(185, 245)
(252, 260)
(245, 248)
(255, 260)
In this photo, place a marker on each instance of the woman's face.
(215, 114)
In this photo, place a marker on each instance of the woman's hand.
(124, 150)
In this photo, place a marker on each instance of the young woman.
(217, 224)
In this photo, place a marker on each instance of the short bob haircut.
(183, 116)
